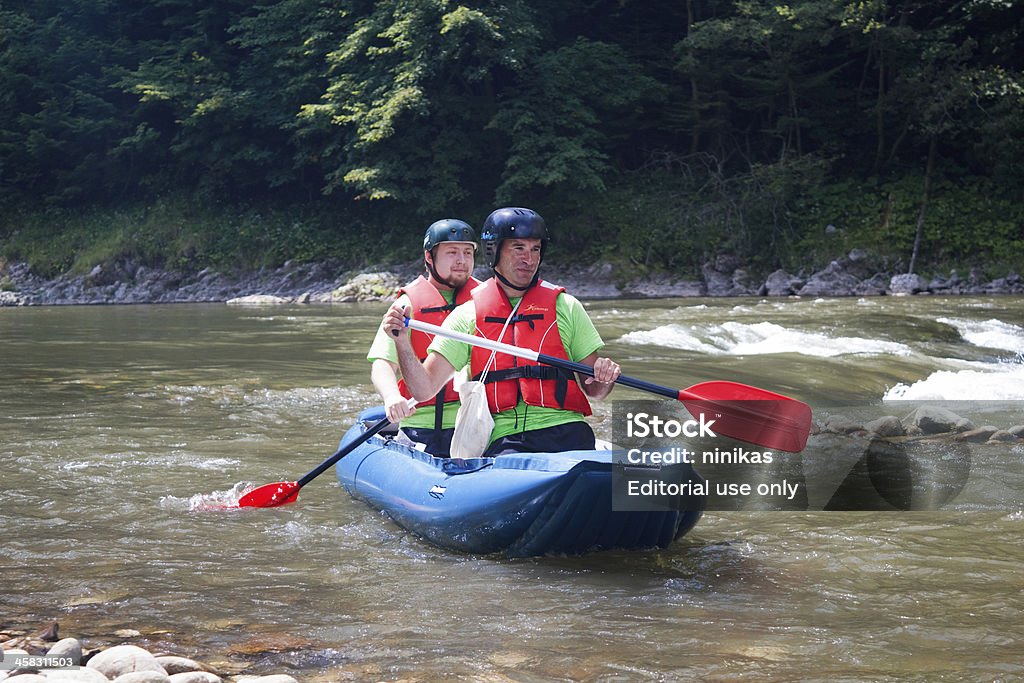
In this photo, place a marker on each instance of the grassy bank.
(178, 233)
(669, 220)
(795, 219)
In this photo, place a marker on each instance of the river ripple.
(112, 420)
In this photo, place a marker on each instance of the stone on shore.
(725, 276)
(887, 426)
(936, 420)
(834, 280)
(907, 283)
(195, 677)
(258, 300)
(781, 283)
(978, 434)
(83, 675)
(840, 424)
(1001, 436)
(593, 282)
(124, 659)
(122, 663)
(858, 273)
(143, 677)
(368, 287)
(67, 647)
(173, 664)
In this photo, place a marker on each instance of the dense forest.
(650, 133)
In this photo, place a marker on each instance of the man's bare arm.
(425, 379)
(383, 374)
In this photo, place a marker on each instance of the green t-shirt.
(579, 337)
(383, 348)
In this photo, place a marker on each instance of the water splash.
(742, 339)
(1000, 382)
(220, 500)
(991, 334)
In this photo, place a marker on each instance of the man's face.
(519, 260)
(453, 262)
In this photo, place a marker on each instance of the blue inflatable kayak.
(520, 505)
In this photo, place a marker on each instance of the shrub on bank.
(667, 220)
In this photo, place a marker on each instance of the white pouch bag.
(473, 422)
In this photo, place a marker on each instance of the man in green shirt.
(449, 248)
(536, 408)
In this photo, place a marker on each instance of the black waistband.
(518, 318)
(523, 372)
(561, 377)
(439, 309)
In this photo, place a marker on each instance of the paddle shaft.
(284, 492)
(537, 357)
(342, 452)
(740, 411)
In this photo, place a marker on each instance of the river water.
(114, 421)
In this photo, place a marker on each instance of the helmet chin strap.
(433, 272)
(504, 281)
(437, 278)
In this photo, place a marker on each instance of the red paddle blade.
(270, 495)
(750, 414)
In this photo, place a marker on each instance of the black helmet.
(507, 223)
(448, 230)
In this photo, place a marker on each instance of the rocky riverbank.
(921, 461)
(925, 422)
(132, 283)
(47, 658)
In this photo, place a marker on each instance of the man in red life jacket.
(536, 408)
(449, 248)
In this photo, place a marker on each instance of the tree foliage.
(423, 107)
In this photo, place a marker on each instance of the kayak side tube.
(523, 504)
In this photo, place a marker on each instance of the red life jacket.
(430, 306)
(535, 327)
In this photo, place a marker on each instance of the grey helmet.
(448, 230)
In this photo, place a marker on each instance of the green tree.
(410, 90)
(62, 111)
(286, 45)
(202, 133)
(769, 75)
(561, 114)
